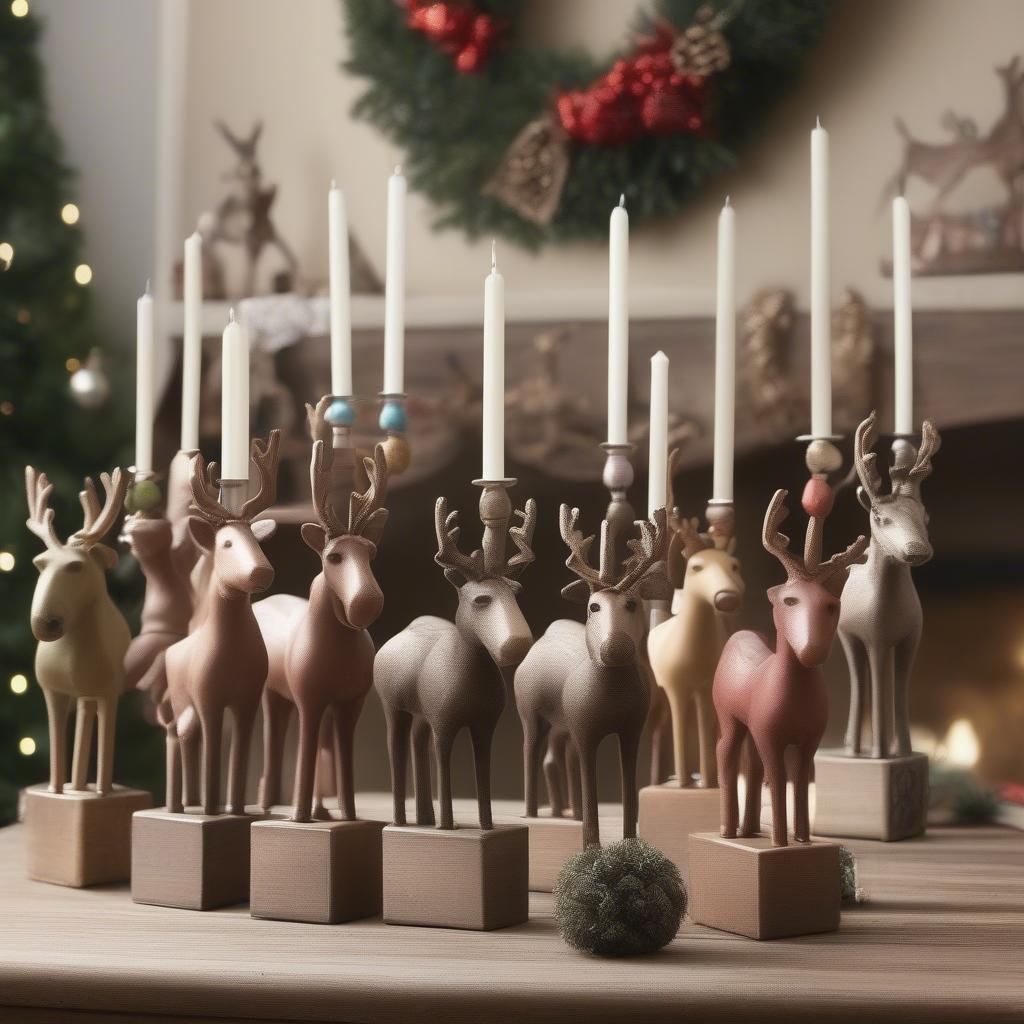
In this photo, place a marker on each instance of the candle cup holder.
(393, 421)
(434, 679)
(881, 793)
(618, 477)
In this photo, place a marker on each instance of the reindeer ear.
(373, 528)
(202, 531)
(655, 586)
(578, 592)
(263, 529)
(314, 535)
(862, 497)
(773, 593)
(106, 557)
(455, 578)
(834, 584)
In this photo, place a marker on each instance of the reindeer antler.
(99, 521)
(205, 503)
(578, 561)
(648, 549)
(448, 556)
(368, 508)
(842, 561)
(777, 543)
(915, 466)
(40, 516)
(320, 486)
(319, 428)
(264, 454)
(522, 537)
(688, 532)
(864, 459)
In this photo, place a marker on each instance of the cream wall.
(279, 61)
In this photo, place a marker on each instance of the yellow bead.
(396, 454)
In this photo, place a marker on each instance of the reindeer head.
(347, 548)
(616, 622)
(232, 540)
(487, 582)
(806, 607)
(71, 574)
(247, 169)
(703, 566)
(899, 522)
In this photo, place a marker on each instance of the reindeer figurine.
(437, 677)
(587, 682)
(222, 664)
(881, 620)
(777, 698)
(321, 655)
(82, 635)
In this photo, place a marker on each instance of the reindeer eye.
(631, 605)
(482, 600)
(595, 607)
(227, 543)
(334, 558)
(696, 567)
(790, 601)
(735, 566)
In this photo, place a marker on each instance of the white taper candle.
(657, 461)
(234, 415)
(394, 288)
(192, 347)
(494, 374)
(821, 314)
(338, 274)
(725, 356)
(903, 330)
(618, 324)
(145, 382)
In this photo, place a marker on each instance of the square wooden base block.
(323, 872)
(870, 798)
(192, 861)
(669, 813)
(456, 878)
(78, 838)
(552, 842)
(752, 888)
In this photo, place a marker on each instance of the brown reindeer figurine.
(881, 621)
(321, 655)
(82, 635)
(587, 682)
(437, 677)
(778, 697)
(222, 664)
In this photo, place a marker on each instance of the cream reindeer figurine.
(82, 635)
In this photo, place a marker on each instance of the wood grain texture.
(668, 814)
(750, 887)
(936, 941)
(870, 797)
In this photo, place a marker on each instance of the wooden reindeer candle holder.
(321, 664)
(434, 679)
(581, 683)
(882, 794)
(78, 834)
(198, 858)
(768, 701)
(684, 651)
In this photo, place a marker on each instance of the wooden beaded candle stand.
(435, 678)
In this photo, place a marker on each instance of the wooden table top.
(939, 939)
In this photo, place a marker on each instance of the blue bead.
(392, 417)
(340, 413)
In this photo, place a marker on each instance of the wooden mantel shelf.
(938, 940)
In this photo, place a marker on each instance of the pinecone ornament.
(701, 49)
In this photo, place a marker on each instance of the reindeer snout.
(260, 578)
(917, 553)
(514, 650)
(365, 607)
(618, 650)
(47, 627)
(727, 601)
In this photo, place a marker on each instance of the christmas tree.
(56, 410)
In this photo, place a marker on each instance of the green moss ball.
(619, 900)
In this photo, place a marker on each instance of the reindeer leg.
(211, 724)
(679, 706)
(629, 750)
(801, 812)
(443, 755)
(755, 781)
(85, 721)
(191, 773)
(574, 779)
(173, 762)
(276, 712)
(327, 773)
(243, 720)
(482, 734)
(309, 734)
(345, 718)
(904, 655)
(657, 722)
(555, 774)
(106, 711)
(588, 769)
(421, 737)
(534, 734)
(706, 740)
(728, 750)
(398, 725)
(775, 772)
(57, 707)
(881, 662)
(856, 661)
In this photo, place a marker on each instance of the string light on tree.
(83, 273)
(19, 683)
(7, 561)
(6, 254)
(69, 213)
(27, 746)
(19, 8)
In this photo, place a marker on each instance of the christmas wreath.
(537, 145)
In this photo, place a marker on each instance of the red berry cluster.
(457, 29)
(645, 94)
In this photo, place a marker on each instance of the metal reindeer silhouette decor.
(82, 640)
(436, 678)
(881, 793)
(585, 682)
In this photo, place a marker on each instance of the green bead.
(143, 496)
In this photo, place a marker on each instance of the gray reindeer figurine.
(880, 625)
(437, 677)
(587, 682)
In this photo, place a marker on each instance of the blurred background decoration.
(136, 90)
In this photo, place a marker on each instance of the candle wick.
(148, 290)
(728, 201)
(398, 170)
(231, 314)
(334, 184)
(622, 199)
(817, 122)
(494, 254)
